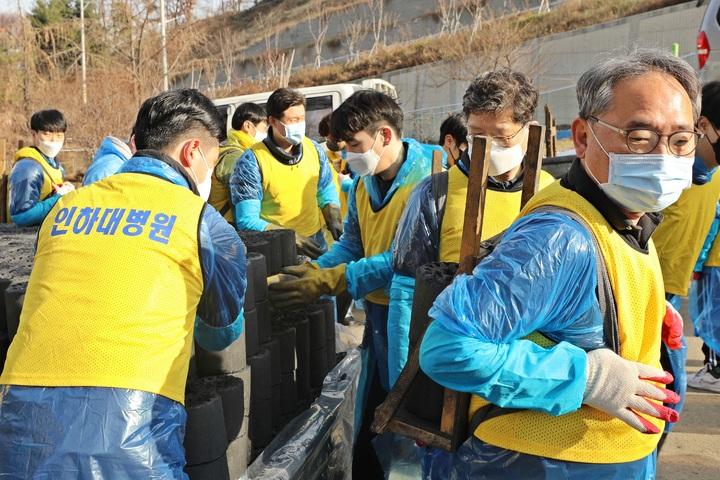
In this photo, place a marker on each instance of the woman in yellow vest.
(128, 271)
(285, 180)
(578, 399)
(249, 126)
(389, 167)
(37, 179)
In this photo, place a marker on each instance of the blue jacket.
(112, 153)
(26, 180)
(128, 433)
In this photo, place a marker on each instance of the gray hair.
(594, 89)
(502, 90)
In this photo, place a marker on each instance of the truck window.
(317, 108)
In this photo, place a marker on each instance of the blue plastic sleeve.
(246, 179)
(349, 248)
(328, 195)
(101, 168)
(402, 291)
(26, 181)
(36, 214)
(247, 216)
(219, 319)
(369, 274)
(542, 277)
(417, 237)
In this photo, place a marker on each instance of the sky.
(11, 6)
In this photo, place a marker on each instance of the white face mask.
(365, 163)
(204, 187)
(259, 136)
(50, 149)
(647, 182)
(502, 159)
(294, 133)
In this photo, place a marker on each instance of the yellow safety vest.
(91, 317)
(377, 229)
(589, 435)
(51, 175)
(713, 258)
(501, 209)
(680, 236)
(238, 142)
(290, 191)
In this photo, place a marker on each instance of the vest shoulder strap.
(606, 300)
(439, 186)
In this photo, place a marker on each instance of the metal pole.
(82, 49)
(164, 46)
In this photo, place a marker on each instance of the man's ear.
(131, 144)
(188, 154)
(579, 130)
(449, 141)
(387, 134)
(703, 123)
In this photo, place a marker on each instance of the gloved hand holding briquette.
(308, 283)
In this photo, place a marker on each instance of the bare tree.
(449, 12)
(320, 14)
(475, 9)
(353, 34)
(227, 56)
(377, 17)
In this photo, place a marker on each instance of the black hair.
(454, 125)
(710, 108)
(282, 99)
(366, 110)
(502, 90)
(324, 126)
(248, 111)
(165, 118)
(48, 121)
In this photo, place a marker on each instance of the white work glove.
(618, 386)
(66, 187)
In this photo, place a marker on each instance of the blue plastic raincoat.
(108, 159)
(25, 184)
(542, 277)
(96, 432)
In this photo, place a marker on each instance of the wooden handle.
(474, 203)
(437, 165)
(533, 163)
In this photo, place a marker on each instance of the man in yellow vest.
(249, 126)
(680, 236)
(453, 133)
(128, 271)
(388, 168)
(570, 400)
(281, 181)
(499, 104)
(37, 179)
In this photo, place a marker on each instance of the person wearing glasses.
(499, 104)
(560, 361)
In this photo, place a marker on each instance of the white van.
(708, 42)
(320, 101)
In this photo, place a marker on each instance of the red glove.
(672, 329)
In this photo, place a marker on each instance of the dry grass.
(113, 102)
